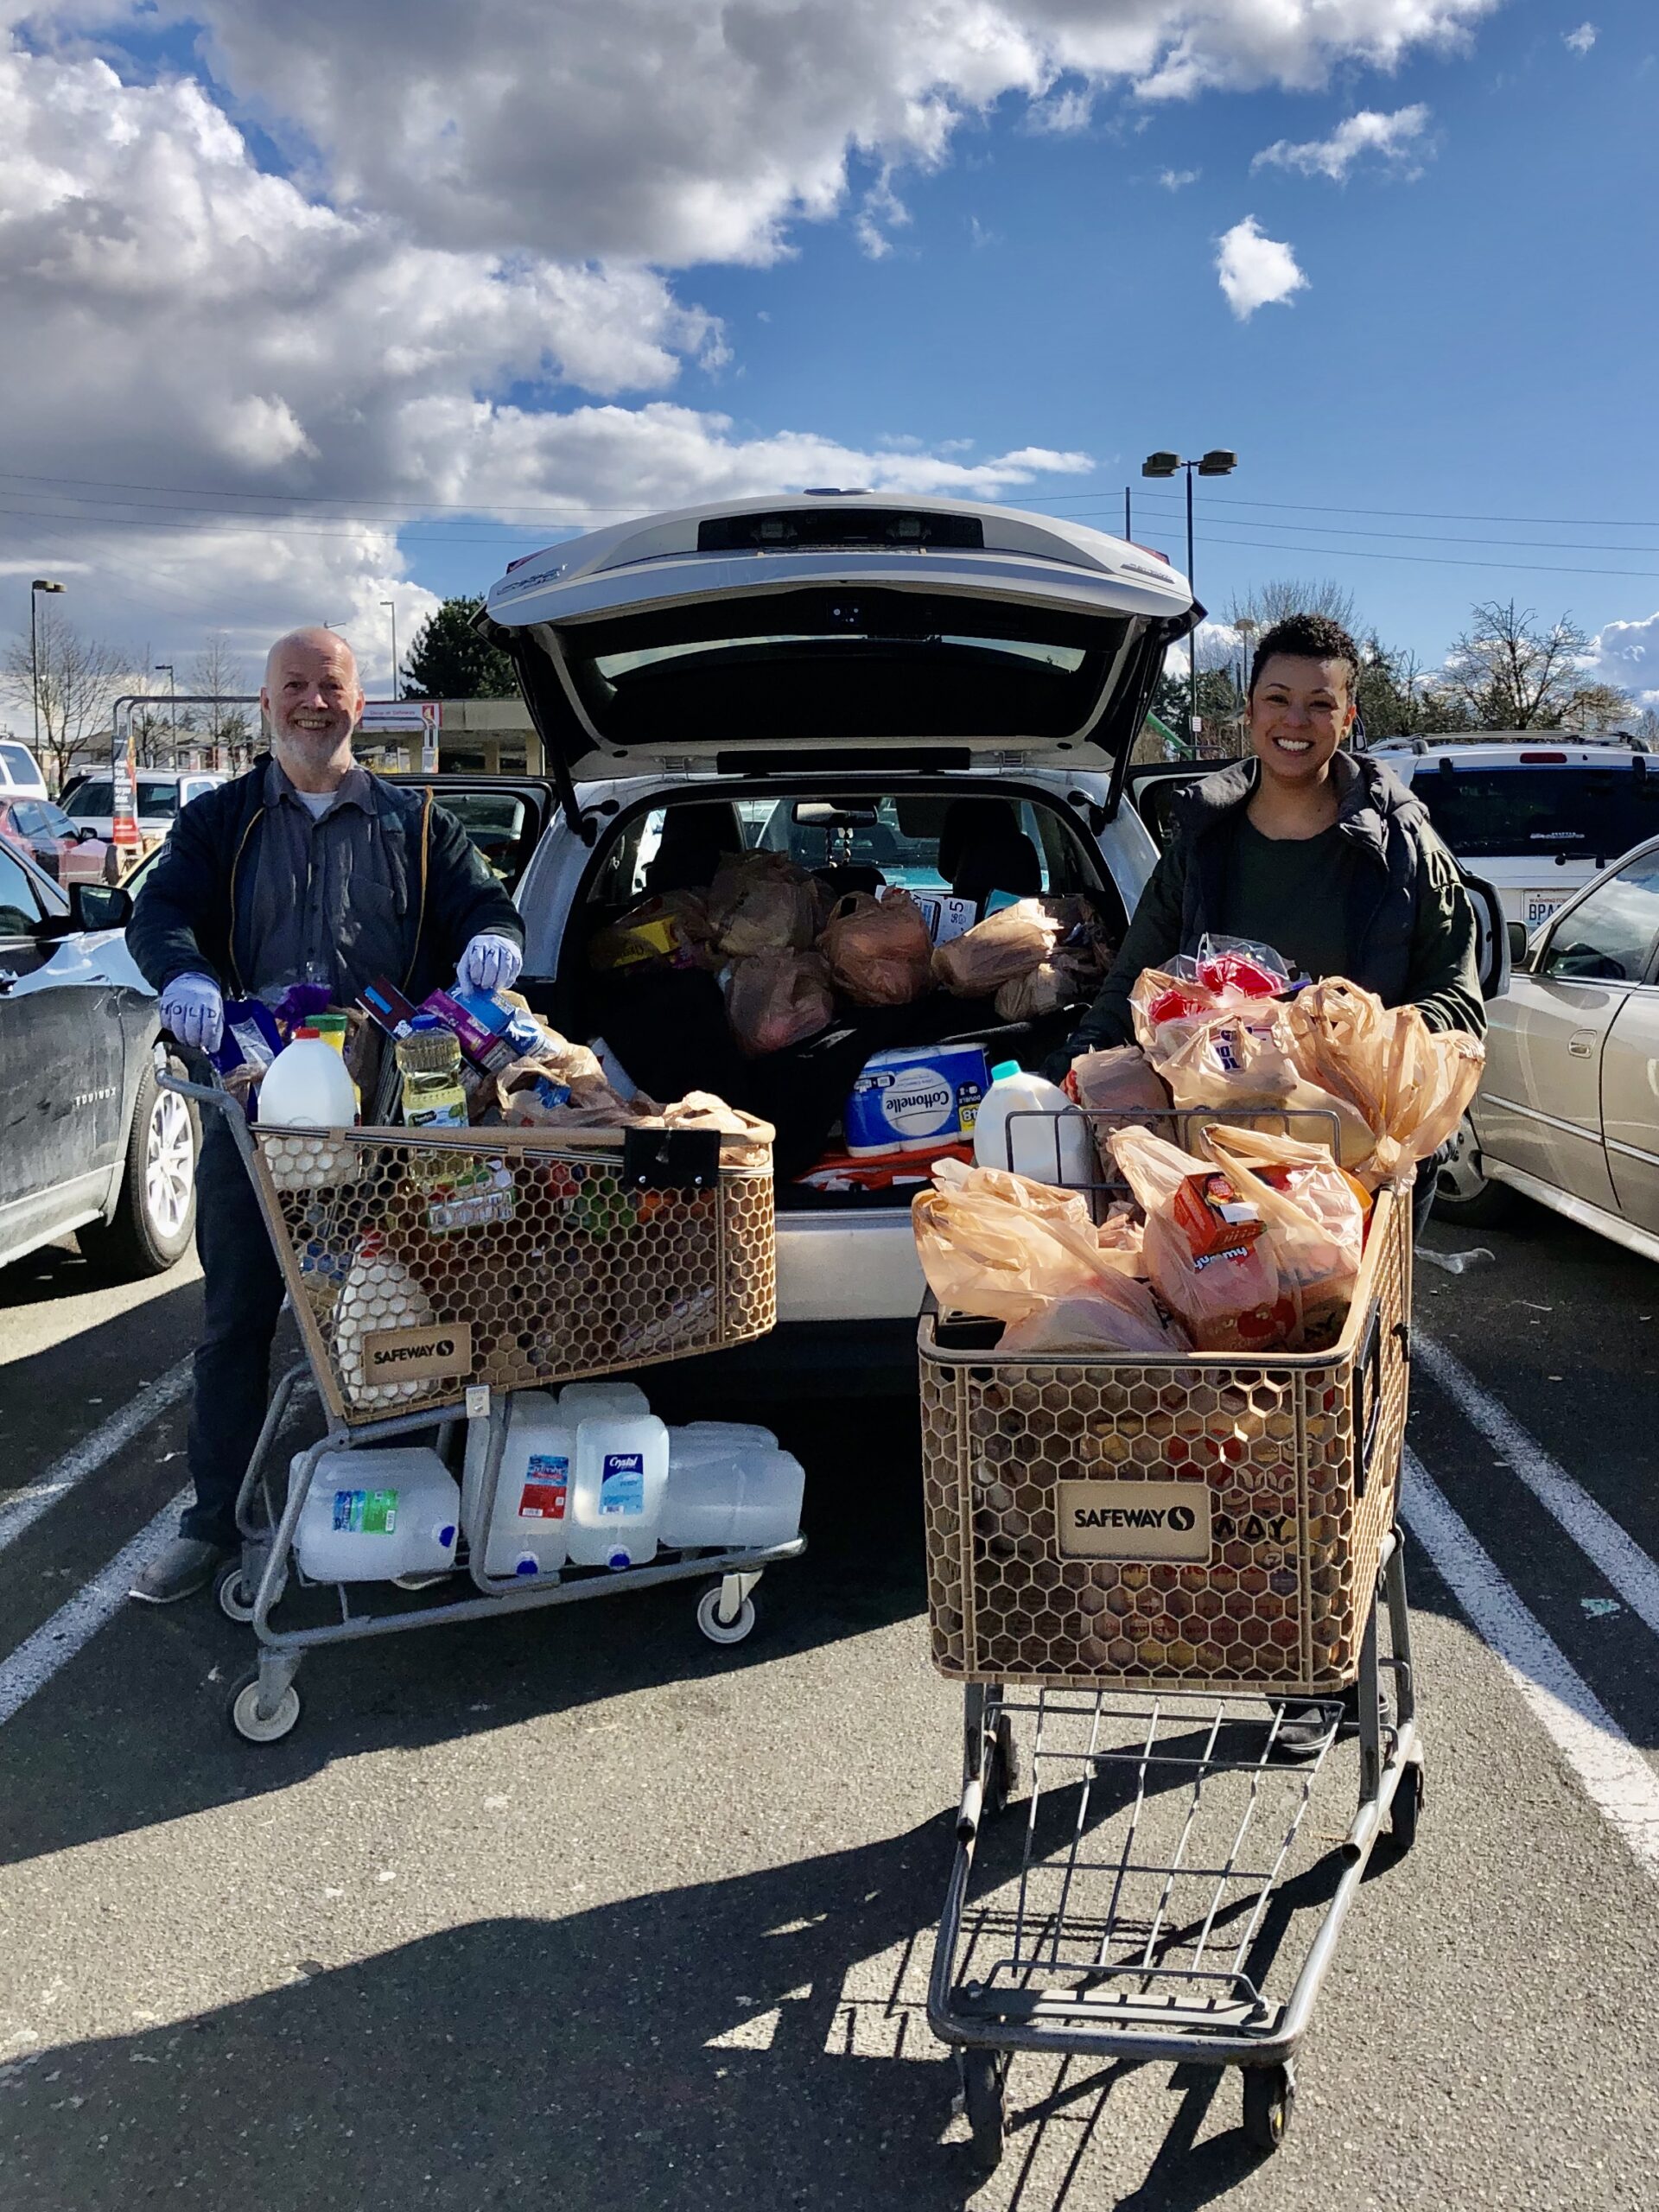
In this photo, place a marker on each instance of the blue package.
(915, 1098)
(250, 1037)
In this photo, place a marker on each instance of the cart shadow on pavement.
(133, 1733)
(692, 2047)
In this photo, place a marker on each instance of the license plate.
(1540, 910)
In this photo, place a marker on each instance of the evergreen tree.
(450, 660)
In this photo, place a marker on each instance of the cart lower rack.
(431, 1276)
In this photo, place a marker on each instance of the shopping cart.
(430, 1276)
(1179, 1712)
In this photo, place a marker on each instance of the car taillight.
(1153, 550)
(1544, 759)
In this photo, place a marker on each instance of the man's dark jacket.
(193, 914)
(1409, 927)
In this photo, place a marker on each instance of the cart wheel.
(244, 1718)
(1404, 1813)
(1001, 1768)
(235, 1601)
(984, 2100)
(1270, 2100)
(720, 1631)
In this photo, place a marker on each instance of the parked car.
(70, 852)
(1537, 813)
(844, 667)
(161, 793)
(1567, 1112)
(92, 1143)
(19, 772)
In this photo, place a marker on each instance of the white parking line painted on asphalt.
(1617, 1779)
(1592, 1529)
(23, 1511)
(34, 1662)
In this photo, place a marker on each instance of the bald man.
(308, 869)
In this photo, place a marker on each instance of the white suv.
(939, 694)
(1535, 812)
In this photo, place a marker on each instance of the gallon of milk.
(915, 1098)
(741, 1496)
(306, 1087)
(529, 1531)
(380, 1292)
(617, 1505)
(594, 1401)
(370, 1516)
(1057, 1148)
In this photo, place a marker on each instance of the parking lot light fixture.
(1218, 461)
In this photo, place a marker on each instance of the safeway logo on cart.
(1134, 1520)
(419, 1355)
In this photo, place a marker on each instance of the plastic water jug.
(370, 1516)
(1057, 1149)
(622, 1474)
(380, 1292)
(743, 1496)
(581, 1401)
(713, 1439)
(528, 1532)
(306, 1087)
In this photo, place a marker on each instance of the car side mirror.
(1518, 945)
(100, 905)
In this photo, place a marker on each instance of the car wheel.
(155, 1212)
(1463, 1191)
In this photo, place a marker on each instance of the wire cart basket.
(431, 1276)
(1174, 1592)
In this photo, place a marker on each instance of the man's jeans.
(242, 1295)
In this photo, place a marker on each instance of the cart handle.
(1368, 1417)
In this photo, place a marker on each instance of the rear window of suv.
(93, 799)
(1523, 812)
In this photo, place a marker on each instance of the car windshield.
(1538, 812)
(18, 763)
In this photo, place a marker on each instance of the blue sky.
(900, 243)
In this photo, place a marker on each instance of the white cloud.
(1627, 654)
(1255, 271)
(1396, 138)
(1063, 111)
(1178, 179)
(1581, 40)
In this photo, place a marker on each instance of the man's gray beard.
(312, 751)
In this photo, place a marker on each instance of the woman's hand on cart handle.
(193, 1010)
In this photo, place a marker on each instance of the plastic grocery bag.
(762, 902)
(1228, 974)
(776, 999)
(1118, 1315)
(1005, 945)
(1411, 1084)
(1205, 1253)
(1062, 980)
(998, 1244)
(1312, 1215)
(878, 949)
(1243, 1061)
(1121, 1080)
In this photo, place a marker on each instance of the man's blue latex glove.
(490, 963)
(193, 1011)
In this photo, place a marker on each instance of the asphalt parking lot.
(573, 1906)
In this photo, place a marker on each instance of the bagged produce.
(672, 930)
(762, 902)
(1117, 1315)
(775, 999)
(1313, 1214)
(1005, 945)
(1410, 1084)
(878, 949)
(997, 1244)
(1207, 1254)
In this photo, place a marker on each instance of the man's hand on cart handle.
(193, 1010)
(490, 963)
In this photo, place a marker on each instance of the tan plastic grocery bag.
(1242, 1060)
(1410, 1084)
(1312, 1215)
(1005, 945)
(999, 1244)
(878, 949)
(775, 999)
(762, 902)
(1206, 1254)
(1117, 1315)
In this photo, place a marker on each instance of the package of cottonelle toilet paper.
(915, 1097)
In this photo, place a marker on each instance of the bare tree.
(1509, 672)
(1276, 600)
(219, 671)
(69, 681)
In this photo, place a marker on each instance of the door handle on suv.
(1582, 1044)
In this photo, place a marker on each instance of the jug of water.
(622, 1474)
(373, 1515)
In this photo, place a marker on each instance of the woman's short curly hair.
(1309, 637)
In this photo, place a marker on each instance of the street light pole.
(391, 606)
(1217, 462)
(165, 668)
(40, 584)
